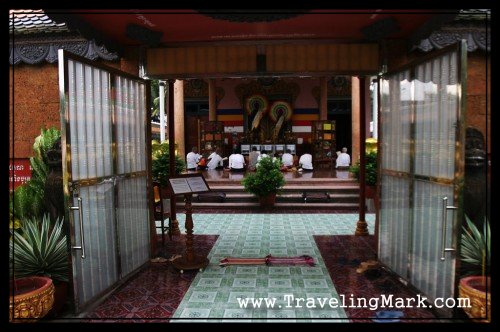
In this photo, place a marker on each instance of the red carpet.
(342, 255)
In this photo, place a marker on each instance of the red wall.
(36, 100)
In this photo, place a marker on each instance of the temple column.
(212, 97)
(179, 117)
(355, 101)
(323, 99)
(362, 226)
(171, 149)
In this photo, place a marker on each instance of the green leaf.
(41, 250)
(475, 248)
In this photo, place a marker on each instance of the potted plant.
(475, 258)
(32, 298)
(266, 182)
(39, 249)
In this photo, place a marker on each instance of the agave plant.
(475, 252)
(40, 250)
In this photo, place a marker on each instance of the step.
(256, 205)
(227, 189)
(309, 183)
(285, 197)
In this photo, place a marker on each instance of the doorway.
(195, 112)
(339, 110)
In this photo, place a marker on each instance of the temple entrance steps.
(299, 195)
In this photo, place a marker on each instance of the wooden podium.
(187, 184)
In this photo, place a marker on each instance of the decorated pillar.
(323, 99)
(212, 104)
(179, 117)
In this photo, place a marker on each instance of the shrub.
(161, 162)
(266, 180)
(371, 169)
(28, 200)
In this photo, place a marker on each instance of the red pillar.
(171, 148)
(362, 226)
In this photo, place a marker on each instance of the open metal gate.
(422, 136)
(104, 129)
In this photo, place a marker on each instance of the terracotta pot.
(33, 298)
(60, 297)
(267, 201)
(475, 288)
(370, 191)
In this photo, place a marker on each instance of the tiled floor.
(213, 293)
(160, 292)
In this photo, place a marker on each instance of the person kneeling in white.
(343, 160)
(236, 162)
(305, 162)
(287, 158)
(215, 160)
(192, 159)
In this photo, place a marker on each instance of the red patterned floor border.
(342, 255)
(154, 293)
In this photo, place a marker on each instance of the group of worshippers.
(196, 161)
(237, 163)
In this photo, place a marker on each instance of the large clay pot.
(33, 298)
(267, 201)
(371, 193)
(475, 288)
(60, 297)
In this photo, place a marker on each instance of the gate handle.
(82, 237)
(446, 207)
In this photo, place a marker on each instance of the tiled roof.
(31, 21)
(473, 14)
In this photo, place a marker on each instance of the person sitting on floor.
(202, 164)
(215, 160)
(213, 153)
(305, 163)
(236, 162)
(252, 158)
(287, 159)
(343, 159)
(192, 159)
